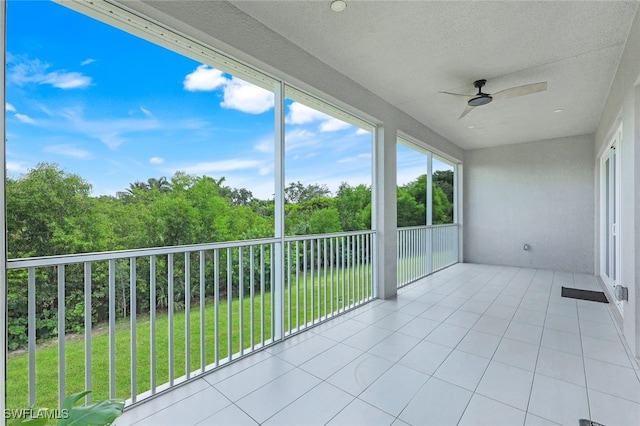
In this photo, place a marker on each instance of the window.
(328, 168)
(443, 189)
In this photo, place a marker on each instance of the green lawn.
(307, 304)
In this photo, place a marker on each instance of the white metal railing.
(204, 305)
(338, 277)
(423, 250)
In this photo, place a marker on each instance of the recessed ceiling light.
(338, 5)
(558, 110)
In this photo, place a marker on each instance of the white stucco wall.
(537, 193)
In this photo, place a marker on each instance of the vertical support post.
(385, 212)
(278, 256)
(458, 206)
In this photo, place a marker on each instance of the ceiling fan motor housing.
(481, 99)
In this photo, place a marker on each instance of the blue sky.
(114, 109)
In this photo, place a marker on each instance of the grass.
(309, 303)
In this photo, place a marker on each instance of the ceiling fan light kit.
(481, 98)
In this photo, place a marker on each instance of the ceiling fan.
(481, 98)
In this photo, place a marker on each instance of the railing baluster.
(297, 286)
(170, 303)
(272, 278)
(61, 333)
(31, 329)
(187, 314)
(319, 284)
(241, 300)
(358, 269)
(262, 293)
(331, 270)
(342, 270)
(202, 311)
(350, 278)
(216, 305)
(229, 304)
(370, 265)
(311, 276)
(252, 296)
(289, 286)
(112, 328)
(304, 281)
(87, 329)
(152, 321)
(132, 318)
(324, 269)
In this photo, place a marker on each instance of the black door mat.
(576, 293)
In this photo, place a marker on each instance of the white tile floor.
(469, 345)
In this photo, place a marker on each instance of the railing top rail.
(66, 259)
(443, 225)
(321, 236)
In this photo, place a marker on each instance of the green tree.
(297, 192)
(410, 211)
(354, 207)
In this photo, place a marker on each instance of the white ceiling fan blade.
(466, 111)
(459, 95)
(527, 89)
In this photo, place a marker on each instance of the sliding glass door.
(610, 208)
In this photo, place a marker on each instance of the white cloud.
(87, 62)
(264, 171)
(21, 71)
(347, 160)
(333, 124)
(156, 160)
(9, 108)
(146, 112)
(351, 159)
(237, 93)
(220, 166)
(68, 151)
(204, 79)
(69, 80)
(362, 132)
(302, 114)
(17, 167)
(264, 145)
(246, 97)
(25, 118)
(109, 131)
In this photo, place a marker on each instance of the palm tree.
(161, 184)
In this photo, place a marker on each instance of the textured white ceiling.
(408, 51)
